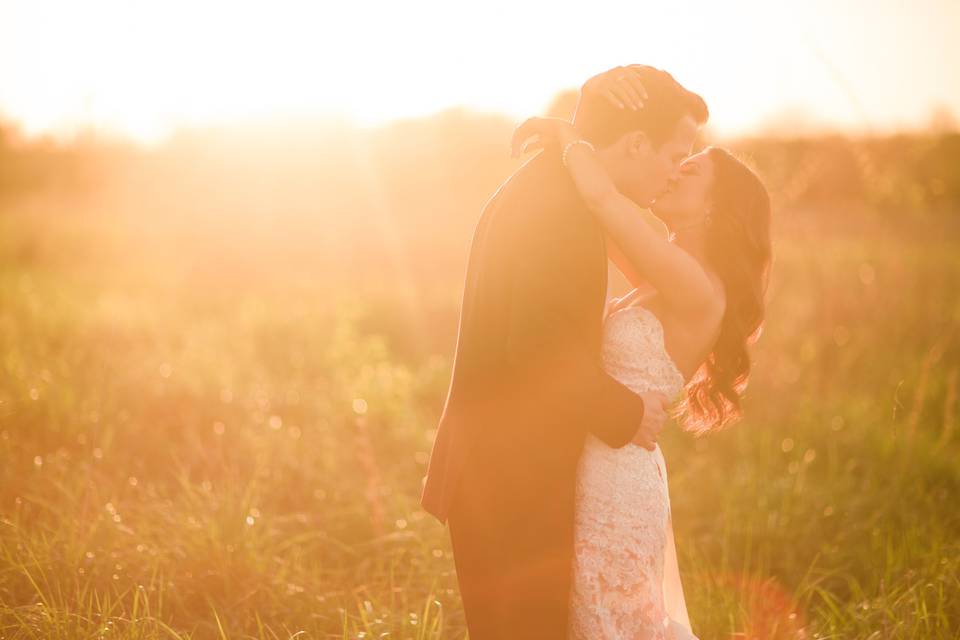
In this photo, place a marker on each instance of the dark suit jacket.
(527, 383)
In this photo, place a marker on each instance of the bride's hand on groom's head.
(655, 405)
(620, 86)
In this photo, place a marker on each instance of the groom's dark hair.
(667, 102)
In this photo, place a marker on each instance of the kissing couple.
(545, 465)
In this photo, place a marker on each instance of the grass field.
(210, 432)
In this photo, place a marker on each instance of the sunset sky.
(142, 68)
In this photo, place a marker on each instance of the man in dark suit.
(527, 383)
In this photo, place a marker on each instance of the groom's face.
(648, 169)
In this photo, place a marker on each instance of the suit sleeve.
(547, 337)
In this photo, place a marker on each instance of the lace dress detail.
(623, 503)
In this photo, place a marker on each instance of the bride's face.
(687, 197)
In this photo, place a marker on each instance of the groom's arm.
(550, 283)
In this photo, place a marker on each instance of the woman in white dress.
(683, 331)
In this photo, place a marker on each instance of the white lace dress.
(625, 579)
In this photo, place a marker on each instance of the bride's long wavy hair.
(738, 249)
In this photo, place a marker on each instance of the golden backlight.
(225, 352)
(144, 68)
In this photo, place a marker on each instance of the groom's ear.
(638, 143)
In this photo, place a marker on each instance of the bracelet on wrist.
(570, 145)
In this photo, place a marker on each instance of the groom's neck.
(609, 158)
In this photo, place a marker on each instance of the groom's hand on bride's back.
(655, 406)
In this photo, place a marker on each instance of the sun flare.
(146, 68)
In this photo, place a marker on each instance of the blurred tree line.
(403, 198)
(917, 171)
(457, 152)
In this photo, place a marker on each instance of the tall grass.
(221, 435)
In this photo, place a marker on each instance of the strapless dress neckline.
(669, 359)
